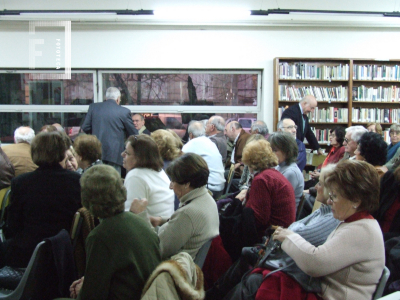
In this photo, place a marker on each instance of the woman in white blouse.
(145, 176)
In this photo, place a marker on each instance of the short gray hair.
(218, 122)
(356, 132)
(113, 93)
(24, 134)
(260, 126)
(280, 124)
(394, 127)
(197, 128)
(102, 191)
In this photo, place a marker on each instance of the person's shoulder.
(342, 149)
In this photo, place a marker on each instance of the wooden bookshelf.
(366, 87)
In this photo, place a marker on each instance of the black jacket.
(42, 203)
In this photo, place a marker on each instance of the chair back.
(300, 207)
(230, 177)
(202, 254)
(4, 202)
(82, 225)
(40, 277)
(382, 284)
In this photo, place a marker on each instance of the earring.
(355, 207)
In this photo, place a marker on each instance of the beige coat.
(178, 278)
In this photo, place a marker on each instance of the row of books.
(322, 135)
(378, 115)
(376, 72)
(313, 71)
(324, 115)
(329, 115)
(321, 93)
(379, 94)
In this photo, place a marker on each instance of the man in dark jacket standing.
(111, 124)
(298, 113)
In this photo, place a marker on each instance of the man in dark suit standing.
(111, 124)
(298, 113)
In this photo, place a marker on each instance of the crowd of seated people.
(160, 169)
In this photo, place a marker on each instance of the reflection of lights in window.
(197, 14)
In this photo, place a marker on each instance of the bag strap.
(271, 246)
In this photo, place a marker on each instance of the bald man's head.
(24, 134)
(308, 104)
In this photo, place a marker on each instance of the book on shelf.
(321, 93)
(313, 71)
(323, 115)
(378, 115)
(378, 94)
(322, 135)
(386, 136)
(376, 72)
(327, 115)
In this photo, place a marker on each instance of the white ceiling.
(344, 5)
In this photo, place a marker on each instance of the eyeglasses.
(332, 135)
(291, 127)
(332, 197)
(347, 140)
(394, 132)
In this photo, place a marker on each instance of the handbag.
(10, 277)
(275, 259)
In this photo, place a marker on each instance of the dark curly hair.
(373, 148)
(340, 133)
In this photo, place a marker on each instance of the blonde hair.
(258, 155)
(167, 144)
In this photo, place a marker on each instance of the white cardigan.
(350, 262)
(152, 185)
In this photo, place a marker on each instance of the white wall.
(119, 46)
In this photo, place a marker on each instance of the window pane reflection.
(184, 89)
(18, 88)
(11, 121)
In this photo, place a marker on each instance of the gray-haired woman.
(122, 251)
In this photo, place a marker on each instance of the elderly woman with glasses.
(393, 150)
(145, 176)
(351, 261)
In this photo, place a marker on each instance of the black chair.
(41, 279)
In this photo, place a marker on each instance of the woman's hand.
(241, 195)
(138, 205)
(76, 287)
(315, 175)
(281, 233)
(155, 221)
